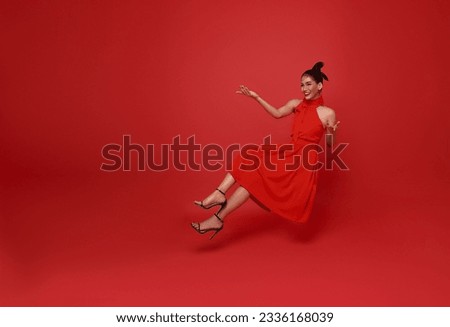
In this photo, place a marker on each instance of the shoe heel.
(214, 234)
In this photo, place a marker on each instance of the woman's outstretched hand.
(245, 91)
(334, 127)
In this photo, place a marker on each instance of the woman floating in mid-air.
(286, 188)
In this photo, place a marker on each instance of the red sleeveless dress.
(284, 178)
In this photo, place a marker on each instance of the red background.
(77, 75)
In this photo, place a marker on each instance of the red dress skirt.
(283, 178)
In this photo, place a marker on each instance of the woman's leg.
(216, 196)
(227, 182)
(239, 197)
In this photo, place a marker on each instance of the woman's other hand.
(335, 126)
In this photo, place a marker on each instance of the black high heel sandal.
(197, 228)
(222, 204)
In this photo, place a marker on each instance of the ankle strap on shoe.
(217, 216)
(220, 191)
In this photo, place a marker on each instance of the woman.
(286, 189)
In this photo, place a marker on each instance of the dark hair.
(316, 72)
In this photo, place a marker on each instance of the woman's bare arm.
(332, 125)
(283, 111)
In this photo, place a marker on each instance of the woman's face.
(310, 88)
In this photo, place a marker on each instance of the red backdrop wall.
(76, 76)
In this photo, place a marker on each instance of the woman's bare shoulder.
(327, 110)
(294, 102)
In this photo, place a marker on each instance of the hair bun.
(318, 66)
(316, 72)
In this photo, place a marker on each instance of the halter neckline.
(316, 102)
